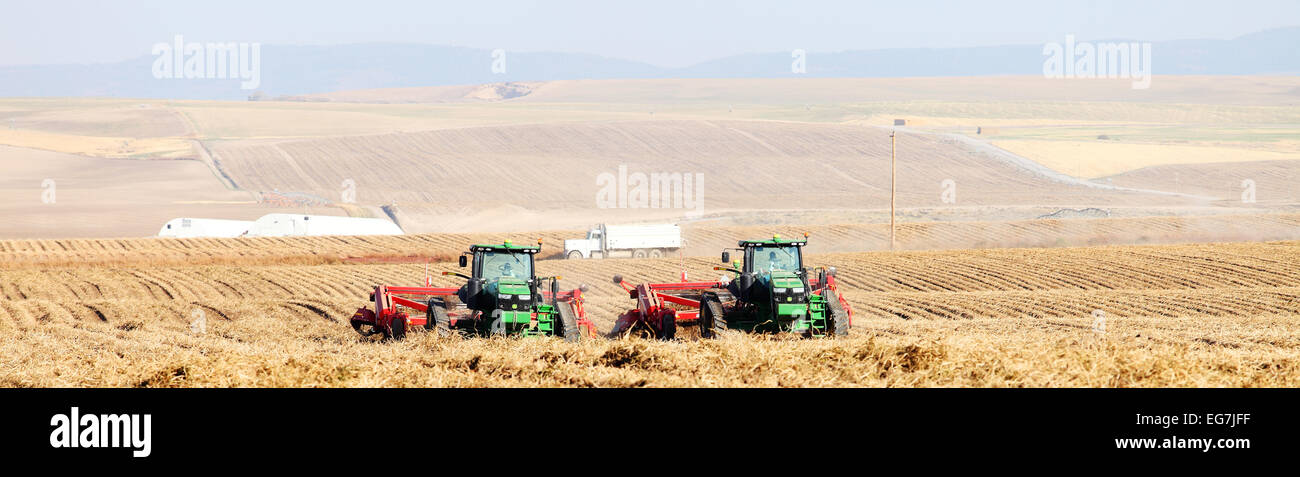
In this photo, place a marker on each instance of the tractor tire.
(398, 327)
(668, 327)
(568, 324)
(575, 255)
(436, 318)
(712, 319)
(638, 254)
(656, 253)
(837, 320)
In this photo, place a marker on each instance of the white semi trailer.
(189, 227)
(624, 241)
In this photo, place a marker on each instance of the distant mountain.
(296, 70)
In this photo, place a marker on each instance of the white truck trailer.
(623, 241)
(190, 227)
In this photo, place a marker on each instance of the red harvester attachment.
(660, 306)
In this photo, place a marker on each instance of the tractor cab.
(501, 278)
(771, 268)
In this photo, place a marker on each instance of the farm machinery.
(502, 296)
(771, 292)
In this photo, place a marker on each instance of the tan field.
(431, 152)
(1103, 158)
(1174, 315)
(98, 197)
(742, 163)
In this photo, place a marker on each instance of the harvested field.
(279, 349)
(1176, 315)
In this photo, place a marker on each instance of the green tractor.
(502, 296)
(772, 293)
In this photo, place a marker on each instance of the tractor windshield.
(775, 258)
(507, 265)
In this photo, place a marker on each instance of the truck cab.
(589, 247)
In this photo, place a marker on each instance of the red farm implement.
(660, 306)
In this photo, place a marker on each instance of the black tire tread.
(837, 319)
(568, 323)
(712, 318)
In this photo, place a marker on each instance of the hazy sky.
(661, 32)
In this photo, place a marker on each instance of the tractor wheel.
(575, 255)
(568, 324)
(712, 319)
(638, 254)
(668, 327)
(837, 320)
(398, 332)
(436, 318)
(656, 253)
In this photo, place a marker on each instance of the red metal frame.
(653, 304)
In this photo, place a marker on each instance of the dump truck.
(626, 241)
(502, 296)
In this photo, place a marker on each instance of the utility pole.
(893, 186)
